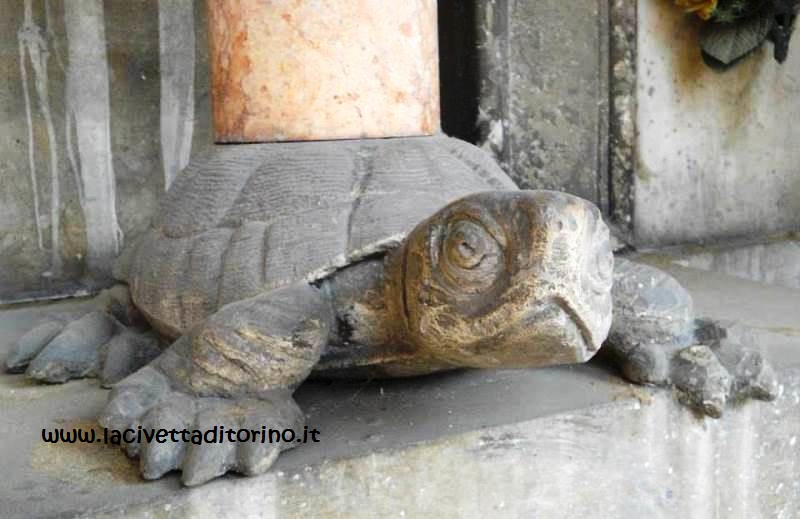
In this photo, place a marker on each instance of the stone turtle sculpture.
(268, 263)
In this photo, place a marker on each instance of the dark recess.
(458, 68)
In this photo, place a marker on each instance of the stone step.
(775, 260)
(551, 442)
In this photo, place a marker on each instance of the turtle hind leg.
(656, 340)
(708, 374)
(76, 345)
(238, 370)
(715, 371)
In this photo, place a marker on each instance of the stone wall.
(669, 149)
(543, 86)
(718, 153)
(616, 105)
(101, 105)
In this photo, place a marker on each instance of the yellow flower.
(702, 8)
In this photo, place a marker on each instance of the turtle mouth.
(560, 336)
(580, 325)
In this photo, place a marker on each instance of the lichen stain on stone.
(72, 232)
(728, 93)
(783, 330)
(680, 34)
(84, 464)
(643, 173)
(631, 391)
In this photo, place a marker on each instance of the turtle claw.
(156, 459)
(148, 399)
(703, 381)
(134, 397)
(206, 461)
(30, 344)
(254, 458)
(125, 353)
(761, 383)
(752, 375)
(75, 352)
(86, 343)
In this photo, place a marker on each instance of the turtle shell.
(241, 220)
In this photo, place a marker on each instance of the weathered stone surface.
(177, 63)
(78, 194)
(622, 113)
(716, 150)
(544, 93)
(303, 70)
(774, 261)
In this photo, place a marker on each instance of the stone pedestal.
(323, 69)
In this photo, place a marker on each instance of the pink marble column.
(323, 69)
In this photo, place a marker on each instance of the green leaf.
(726, 42)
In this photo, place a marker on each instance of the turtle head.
(509, 279)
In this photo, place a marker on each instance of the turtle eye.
(467, 245)
(470, 257)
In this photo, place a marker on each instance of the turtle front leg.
(655, 339)
(237, 370)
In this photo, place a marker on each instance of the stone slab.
(548, 442)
